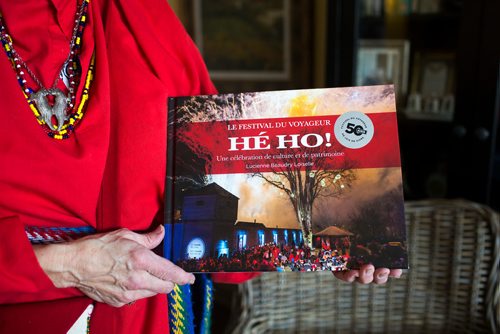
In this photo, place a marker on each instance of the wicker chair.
(452, 286)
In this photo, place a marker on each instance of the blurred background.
(443, 57)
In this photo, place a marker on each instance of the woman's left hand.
(368, 274)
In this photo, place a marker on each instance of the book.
(294, 180)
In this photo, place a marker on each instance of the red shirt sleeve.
(22, 278)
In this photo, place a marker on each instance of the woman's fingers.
(161, 268)
(149, 240)
(144, 281)
(170, 272)
(156, 265)
(396, 273)
(368, 274)
(348, 276)
(119, 267)
(381, 275)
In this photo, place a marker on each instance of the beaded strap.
(208, 297)
(190, 307)
(180, 310)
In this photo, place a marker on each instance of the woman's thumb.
(153, 238)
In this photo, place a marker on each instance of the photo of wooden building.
(208, 226)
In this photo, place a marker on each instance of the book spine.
(169, 181)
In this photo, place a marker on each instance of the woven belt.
(50, 235)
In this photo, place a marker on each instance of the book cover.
(297, 180)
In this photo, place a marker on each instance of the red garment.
(110, 173)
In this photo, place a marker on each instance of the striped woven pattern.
(180, 310)
(452, 285)
(183, 315)
(50, 235)
(207, 297)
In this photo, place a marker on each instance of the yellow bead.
(34, 110)
(82, 104)
(88, 81)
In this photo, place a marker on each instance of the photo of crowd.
(271, 257)
(208, 237)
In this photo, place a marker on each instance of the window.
(222, 248)
(275, 237)
(242, 240)
(261, 237)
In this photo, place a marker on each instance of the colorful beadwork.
(74, 112)
(206, 316)
(180, 309)
(188, 315)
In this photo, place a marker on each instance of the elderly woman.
(83, 98)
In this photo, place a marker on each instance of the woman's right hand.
(115, 268)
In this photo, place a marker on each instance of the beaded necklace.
(51, 105)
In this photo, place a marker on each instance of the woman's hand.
(368, 274)
(115, 268)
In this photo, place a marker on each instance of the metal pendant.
(47, 111)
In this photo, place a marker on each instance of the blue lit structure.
(210, 214)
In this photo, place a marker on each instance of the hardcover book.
(297, 180)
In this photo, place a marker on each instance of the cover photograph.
(297, 180)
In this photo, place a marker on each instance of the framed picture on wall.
(433, 87)
(244, 39)
(434, 74)
(383, 62)
(427, 6)
(253, 45)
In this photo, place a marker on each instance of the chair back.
(452, 285)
